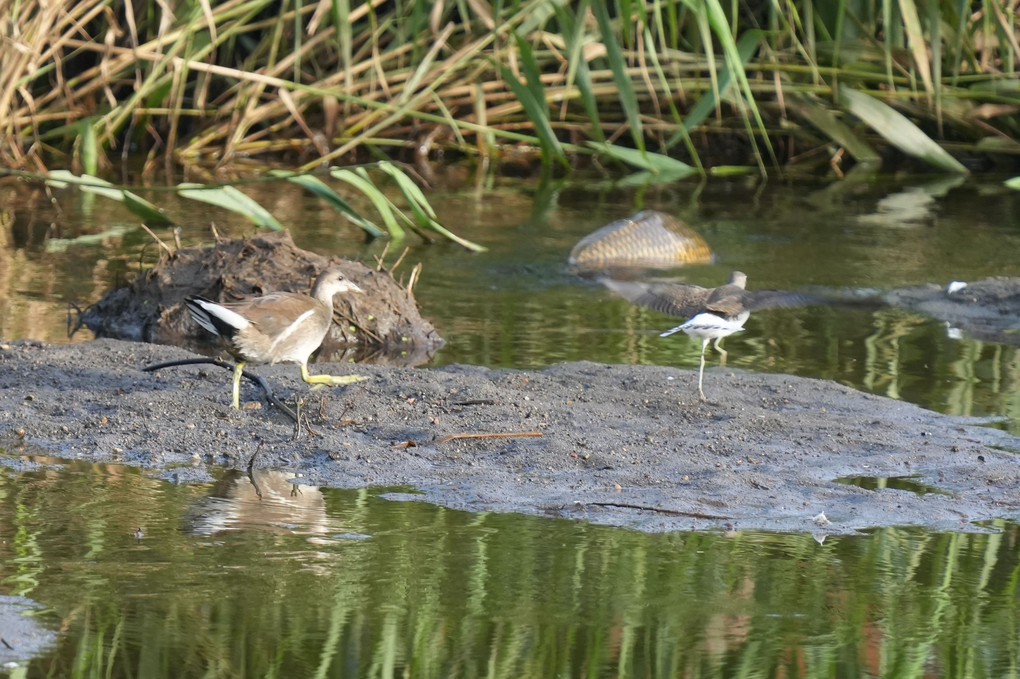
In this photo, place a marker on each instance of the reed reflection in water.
(318, 582)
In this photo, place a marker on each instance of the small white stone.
(955, 286)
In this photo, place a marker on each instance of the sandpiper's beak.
(351, 287)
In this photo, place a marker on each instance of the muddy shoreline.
(614, 444)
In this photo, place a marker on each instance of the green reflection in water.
(907, 483)
(333, 583)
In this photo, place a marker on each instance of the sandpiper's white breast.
(710, 326)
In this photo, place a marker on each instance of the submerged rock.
(649, 239)
(151, 309)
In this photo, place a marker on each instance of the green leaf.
(896, 129)
(424, 213)
(717, 17)
(529, 65)
(532, 98)
(823, 119)
(915, 39)
(577, 69)
(149, 213)
(746, 47)
(655, 163)
(1013, 183)
(618, 65)
(320, 188)
(230, 198)
(731, 170)
(89, 184)
(417, 200)
(382, 206)
(88, 146)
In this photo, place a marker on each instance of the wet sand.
(622, 445)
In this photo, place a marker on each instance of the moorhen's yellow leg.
(331, 380)
(238, 369)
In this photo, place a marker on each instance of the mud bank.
(623, 445)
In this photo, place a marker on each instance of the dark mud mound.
(988, 309)
(151, 309)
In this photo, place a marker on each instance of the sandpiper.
(714, 313)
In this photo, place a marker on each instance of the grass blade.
(149, 213)
(823, 119)
(577, 69)
(423, 211)
(230, 198)
(618, 65)
(656, 163)
(538, 114)
(382, 206)
(746, 47)
(321, 189)
(915, 40)
(88, 146)
(735, 66)
(896, 129)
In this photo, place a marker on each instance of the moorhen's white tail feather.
(278, 327)
(215, 318)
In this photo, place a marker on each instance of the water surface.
(337, 583)
(319, 582)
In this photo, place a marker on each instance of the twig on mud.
(350, 321)
(257, 379)
(350, 403)
(299, 404)
(159, 241)
(399, 260)
(380, 258)
(659, 510)
(415, 274)
(73, 322)
(451, 437)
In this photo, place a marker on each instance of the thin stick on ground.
(660, 510)
(510, 434)
(257, 379)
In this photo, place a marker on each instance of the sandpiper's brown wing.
(686, 301)
(753, 300)
(670, 298)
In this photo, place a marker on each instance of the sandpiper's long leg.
(238, 369)
(701, 370)
(331, 380)
(722, 352)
